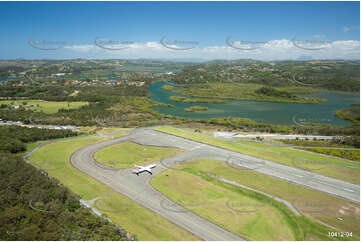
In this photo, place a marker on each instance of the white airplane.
(140, 169)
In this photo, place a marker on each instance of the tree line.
(34, 206)
(13, 138)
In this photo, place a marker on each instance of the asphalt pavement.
(139, 189)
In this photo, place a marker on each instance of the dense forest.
(13, 138)
(34, 206)
(269, 91)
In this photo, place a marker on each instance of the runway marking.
(186, 221)
(197, 147)
(174, 215)
(349, 190)
(154, 204)
(327, 184)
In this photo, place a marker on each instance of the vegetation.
(244, 91)
(340, 143)
(321, 146)
(345, 154)
(249, 217)
(247, 125)
(54, 158)
(312, 204)
(269, 91)
(195, 109)
(139, 220)
(124, 106)
(37, 207)
(196, 100)
(168, 87)
(127, 105)
(337, 75)
(47, 107)
(350, 114)
(328, 166)
(13, 138)
(128, 154)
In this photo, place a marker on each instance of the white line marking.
(349, 190)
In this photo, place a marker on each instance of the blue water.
(266, 112)
(7, 78)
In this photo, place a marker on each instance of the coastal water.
(266, 112)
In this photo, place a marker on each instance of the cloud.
(272, 50)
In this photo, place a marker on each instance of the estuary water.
(265, 112)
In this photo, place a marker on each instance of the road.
(139, 189)
(230, 135)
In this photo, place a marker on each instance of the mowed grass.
(112, 130)
(325, 165)
(138, 220)
(128, 154)
(328, 166)
(242, 215)
(48, 107)
(55, 157)
(329, 209)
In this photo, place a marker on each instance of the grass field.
(146, 225)
(242, 215)
(239, 210)
(318, 205)
(138, 220)
(329, 166)
(54, 158)
(128, 154)
(31, 146)
(48, 107)
(112, 132)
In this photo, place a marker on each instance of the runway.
(139, 190)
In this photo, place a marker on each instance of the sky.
(180, 30)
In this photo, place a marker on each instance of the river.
(265, 112)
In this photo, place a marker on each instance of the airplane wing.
(149, 171)
(139, 169)
(151, 166)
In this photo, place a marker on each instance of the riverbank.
(247, 91)
(275, 113)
